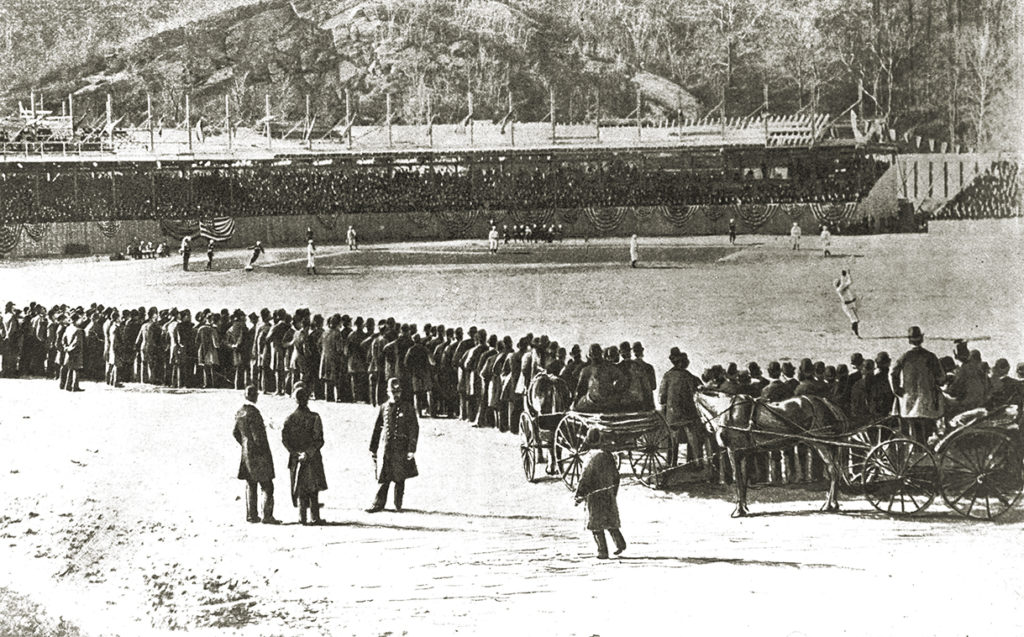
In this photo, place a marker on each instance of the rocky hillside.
(426, 53)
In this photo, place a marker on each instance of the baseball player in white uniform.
(310, 257)
(844, 285)
(826, 241)
(794, 235)
(492, 240)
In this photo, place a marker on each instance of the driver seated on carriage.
(605, 388)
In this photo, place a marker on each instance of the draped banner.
(9, 237)
(218, 228)
(642, 213)
(833, 213)
(678, 215)
(605, 219)
(569, 215)
(36, 231)
(529, 217)
(756, 216)
(713, 213)
(178, 228)
(109, 228)
(793, 210)
(457, 224)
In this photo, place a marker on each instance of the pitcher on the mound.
(844, 289)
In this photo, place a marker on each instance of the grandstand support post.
(266, 109)
(110, 119)
(188, 122)
(309, 131)
(348, 118)
(511, 121)
(430, 121)
(469, 118)
(597, 116)
(551, 110)
(71, 113)
(639, 120)
(149, 121)
(227, 119)
(860, 100)
(387, 116)
(764, 115)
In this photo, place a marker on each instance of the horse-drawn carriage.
(557, 436)
(976, 467)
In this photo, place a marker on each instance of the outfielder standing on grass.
(844, 288)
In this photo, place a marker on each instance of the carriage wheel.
(980, 473)
(650, 458)
(865, 440)
(900, 477)
(527, 450)
(569, 447)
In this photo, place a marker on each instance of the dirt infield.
(123, 514)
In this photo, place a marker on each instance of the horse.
(547, 394)
(744, 425)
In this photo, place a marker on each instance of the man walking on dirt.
(257, 464)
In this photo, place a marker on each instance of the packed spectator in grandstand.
(73, 196)
(995, 193)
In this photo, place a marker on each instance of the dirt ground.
(122, 514)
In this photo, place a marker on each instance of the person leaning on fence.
(599, 487)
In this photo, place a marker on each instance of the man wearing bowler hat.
(916, 377)
(400, 430)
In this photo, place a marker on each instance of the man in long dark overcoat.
(257, 464)
(303, 437)
(599, 486)
(399, 429)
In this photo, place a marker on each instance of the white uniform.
(826, 241)
(848, 298)
(310, 255)
(634, 250)
(492, 240)
(794, 234)
(352, 239)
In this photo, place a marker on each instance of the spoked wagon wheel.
(569, 447)
(900, 477)
(864, 440)
(650, 458)
(527, 449)
(980, 473)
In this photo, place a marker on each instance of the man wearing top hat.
(916, 377)
(399, 429)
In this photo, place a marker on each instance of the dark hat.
(819, 368)
(914, 334)
(638, 346)
(732, 369)
(947, 364)
(595, 352)
(774, 368)
(882, 358)
(830, 373)
(856, 359)
(575, 349)
(1020, 370)
(754, 368)
(624, 346)
(674, 354)
(251, 393)
(1002, 365)
(788, 369)
(960, 351)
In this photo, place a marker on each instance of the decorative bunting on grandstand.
(642, 213)
(218, 228)
(177, 228)
(529, 217)
(9, 237)
(793, 211)
(457, 224)
(36, 231)
(678, 215)
(109, 228)
(756, 216)
(605, 219)
(713, 213)
(833, 213)
(569, 215)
